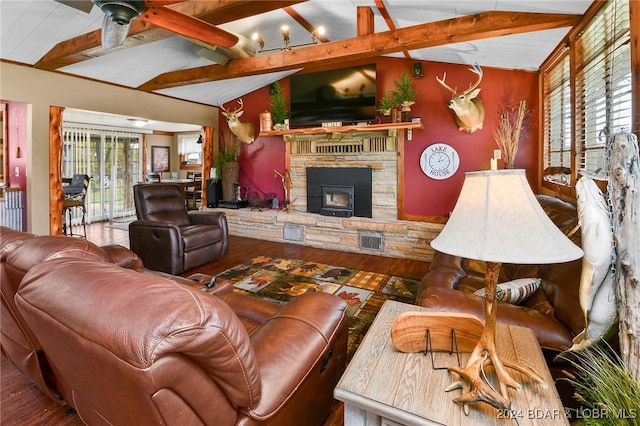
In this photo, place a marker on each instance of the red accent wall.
(423, 195)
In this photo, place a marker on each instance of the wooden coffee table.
(382, 386)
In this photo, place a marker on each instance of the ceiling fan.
(119, 13)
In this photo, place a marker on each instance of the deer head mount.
(467, 107)
(246, 132)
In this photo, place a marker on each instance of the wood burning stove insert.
(339, 191)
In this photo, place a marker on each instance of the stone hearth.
(383, 234)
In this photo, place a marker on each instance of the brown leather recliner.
(141, 348)
(19, 252)
(553, 312)
(167, 237)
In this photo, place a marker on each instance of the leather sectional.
(127, 345)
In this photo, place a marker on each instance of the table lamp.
(498, 219)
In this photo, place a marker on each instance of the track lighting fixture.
(284, 30)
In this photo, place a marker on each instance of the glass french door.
(113, 161)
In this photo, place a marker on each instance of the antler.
(441, 81)
(235, 111)
(476, 70)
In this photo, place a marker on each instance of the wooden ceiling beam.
(88, 46)
(387, 18)
(365, 21)
(456, 30)
(305, 24)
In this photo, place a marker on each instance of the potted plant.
(278, 107)
(507, 135)
(405, 93)
(386, 104)
(227, 166)
(604, 386)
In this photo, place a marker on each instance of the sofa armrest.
(123, 257)
(551, 334)
(158, 244)
(298, 340)
(205, 217)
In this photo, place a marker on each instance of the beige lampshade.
(497, 218)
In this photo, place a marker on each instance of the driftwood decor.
(624, 188)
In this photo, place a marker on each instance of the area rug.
(121, 223)
(280, 279)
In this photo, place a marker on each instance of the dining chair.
(153, 177)
(193, 194)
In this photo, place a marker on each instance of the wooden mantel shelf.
(342, 129)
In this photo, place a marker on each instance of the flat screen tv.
(346, 95)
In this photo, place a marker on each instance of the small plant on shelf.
(405, 93)
(278, 105)
(386, 104)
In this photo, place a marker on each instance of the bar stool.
(75, 195)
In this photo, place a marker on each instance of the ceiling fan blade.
(188, 26)
(113, 34)
(81, 5)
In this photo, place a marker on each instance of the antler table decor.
(498, 219)
(474, 388)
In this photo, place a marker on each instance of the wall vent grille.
(371, 242)
(294, 233)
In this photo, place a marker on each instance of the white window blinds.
(602, 85)
(557, 123)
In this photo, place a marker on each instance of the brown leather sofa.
(17, 342)
(553, 311)
(171, 239)
(131, 346)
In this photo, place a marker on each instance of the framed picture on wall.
(160, 158)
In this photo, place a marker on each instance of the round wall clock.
(439, 161)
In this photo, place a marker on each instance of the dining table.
(183, 183)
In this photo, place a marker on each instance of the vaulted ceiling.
(513, 34)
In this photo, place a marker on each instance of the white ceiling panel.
(30, 28)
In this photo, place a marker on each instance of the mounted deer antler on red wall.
(246, 132)
(467, 107)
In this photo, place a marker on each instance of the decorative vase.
(266, 123)
(229, 175)
(406, 109)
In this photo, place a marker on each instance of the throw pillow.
(515, 291)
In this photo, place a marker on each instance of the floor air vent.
(371, 242)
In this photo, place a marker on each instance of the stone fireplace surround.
(383, 234)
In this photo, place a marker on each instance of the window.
(575, 140)
(557, 123)
(189, 150)
(113, 160)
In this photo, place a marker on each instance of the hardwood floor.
(21, 403)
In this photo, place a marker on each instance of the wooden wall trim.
(56, 194)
